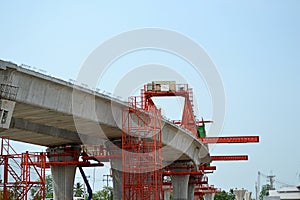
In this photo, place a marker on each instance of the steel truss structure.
(141, 152)
(23, 173)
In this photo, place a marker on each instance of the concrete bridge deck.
(44, 115)
(39, 109)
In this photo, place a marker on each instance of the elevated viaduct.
(39, 109)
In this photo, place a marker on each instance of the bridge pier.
(180, 183)
(191, 189)
(167, 194)
(210, 196)
(116, 168)
(63, 175)
(116, 178)
(180, 187)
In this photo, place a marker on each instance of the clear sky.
(255, 46)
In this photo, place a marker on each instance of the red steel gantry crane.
(141, 149)
(188, 121)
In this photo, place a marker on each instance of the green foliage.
(224, 195)
(105, 194)
(78, 190)
(49, 187)
(11, 194)
(33, 194)
(264, 191)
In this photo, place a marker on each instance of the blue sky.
(255, 46)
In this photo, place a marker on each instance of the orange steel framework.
(60, 159)
(188, 119)
(141, 152)
(22, 173)
(228, 158)
(25, 172)
(187, 122)
(203, 188)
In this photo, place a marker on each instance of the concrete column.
(180, 183)
(117, 183)
(63, 175)
(247, 195)
(167, 194)
(209, 196)
(116, 169)
(239, 194)
(191, 189)
(180, 187)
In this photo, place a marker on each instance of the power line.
(107, 178)
(271, 179)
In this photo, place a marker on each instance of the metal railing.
(8, 91)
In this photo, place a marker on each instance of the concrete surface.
(63, 175)
(191, 190)
(239, 194)
(46, 109)
(180, 186)
(209, 196)
(43, 110)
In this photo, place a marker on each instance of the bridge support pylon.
(63, 175)
(180, 182)
(191, 189)
(114, 148)
(180, 187)
(167, 194)
(209, 196)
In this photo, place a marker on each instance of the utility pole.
(106, 177)
(257, 186)
(271, 179)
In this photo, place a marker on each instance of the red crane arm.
(233, 139)
(203, 167)
(226, 158)
(169, 173)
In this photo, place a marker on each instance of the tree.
(12, 193)
(264, 191)
(49, 186)
(224, 195)
(78, 190)
(105, 194)
(34, 194)
(48, 189)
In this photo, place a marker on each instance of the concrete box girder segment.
(47, 110)
(47, 102)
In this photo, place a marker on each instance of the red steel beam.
(226, 158)
(190, 182)
(182, 173)
(233, 139)
(197, 122)
(78, 163)
(203, 167)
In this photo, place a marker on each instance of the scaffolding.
(170, 88)
(23, 173)
(141, 151)
(142, 173)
